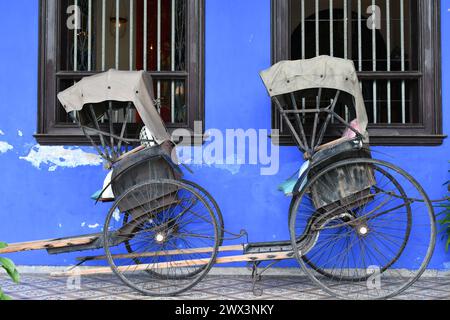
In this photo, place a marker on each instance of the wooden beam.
(178, 264)
(49, 244)
(163, 253)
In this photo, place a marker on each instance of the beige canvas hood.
(321, 72)
(122, 86)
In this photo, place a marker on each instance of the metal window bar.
(345, 29)
(158, 51)
(317, 28)
(388, 55)
(303, 28)
(331, 29)
(131, 54)
(374, 62)
(172, 59)
(75, 36)
(145, 34)
(117, 33)
(346, 21)
(402, 41)
(103, 35)
(347, 7)
(303, 49)
(90, 35)
(359, 36)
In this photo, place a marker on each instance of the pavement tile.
(108, 287)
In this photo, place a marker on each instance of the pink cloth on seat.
(348, 133)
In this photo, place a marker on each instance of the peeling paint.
(2, 133)
(234, 169)
(93, 226)
(19, 133)
(83, 224)
(116, 215)
(5, 147)
(56, 157)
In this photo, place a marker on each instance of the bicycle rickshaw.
(359, 228)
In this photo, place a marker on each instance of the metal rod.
(97, 126)
(331, 29)
(103, 155)
(158, 53)
(303, 28)
(89, 35)
(103, 35)
(299, 121)
(131, 35)
(172, 100)
(303, 45)
(75, 36)
(124, 126)
(388, 54)
(316, 119)
(117, 33)
(402, 41)
(111, 130)
(374, 61)
(289, 124)
(359, 36)
(327, 121)
(317, 29)
(145, 34)
(345, 29)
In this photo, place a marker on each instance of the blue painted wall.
(38, 203)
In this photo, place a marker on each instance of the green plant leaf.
(10, 268)
(3, 245)
(3, 296)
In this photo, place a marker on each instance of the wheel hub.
(363, 230)
(160, 238)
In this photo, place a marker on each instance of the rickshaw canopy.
(320, 72)
(121, 86)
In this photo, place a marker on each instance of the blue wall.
(38, 203)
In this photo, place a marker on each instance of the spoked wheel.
(213, 204)
(166, 237)
(206, 196)
(373, 245)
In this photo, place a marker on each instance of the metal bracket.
(257, 274)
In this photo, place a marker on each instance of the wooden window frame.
(430, 132)
(51, 133)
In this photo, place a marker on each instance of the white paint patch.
(60, 225)
(93, 226)
(20, 133)
(232, 164)
(61, 157)
(83, 224)
(2, 133)
(116, 215)
(5, 147)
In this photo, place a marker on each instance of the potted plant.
(10, 269)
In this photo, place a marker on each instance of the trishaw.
(360, 228)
